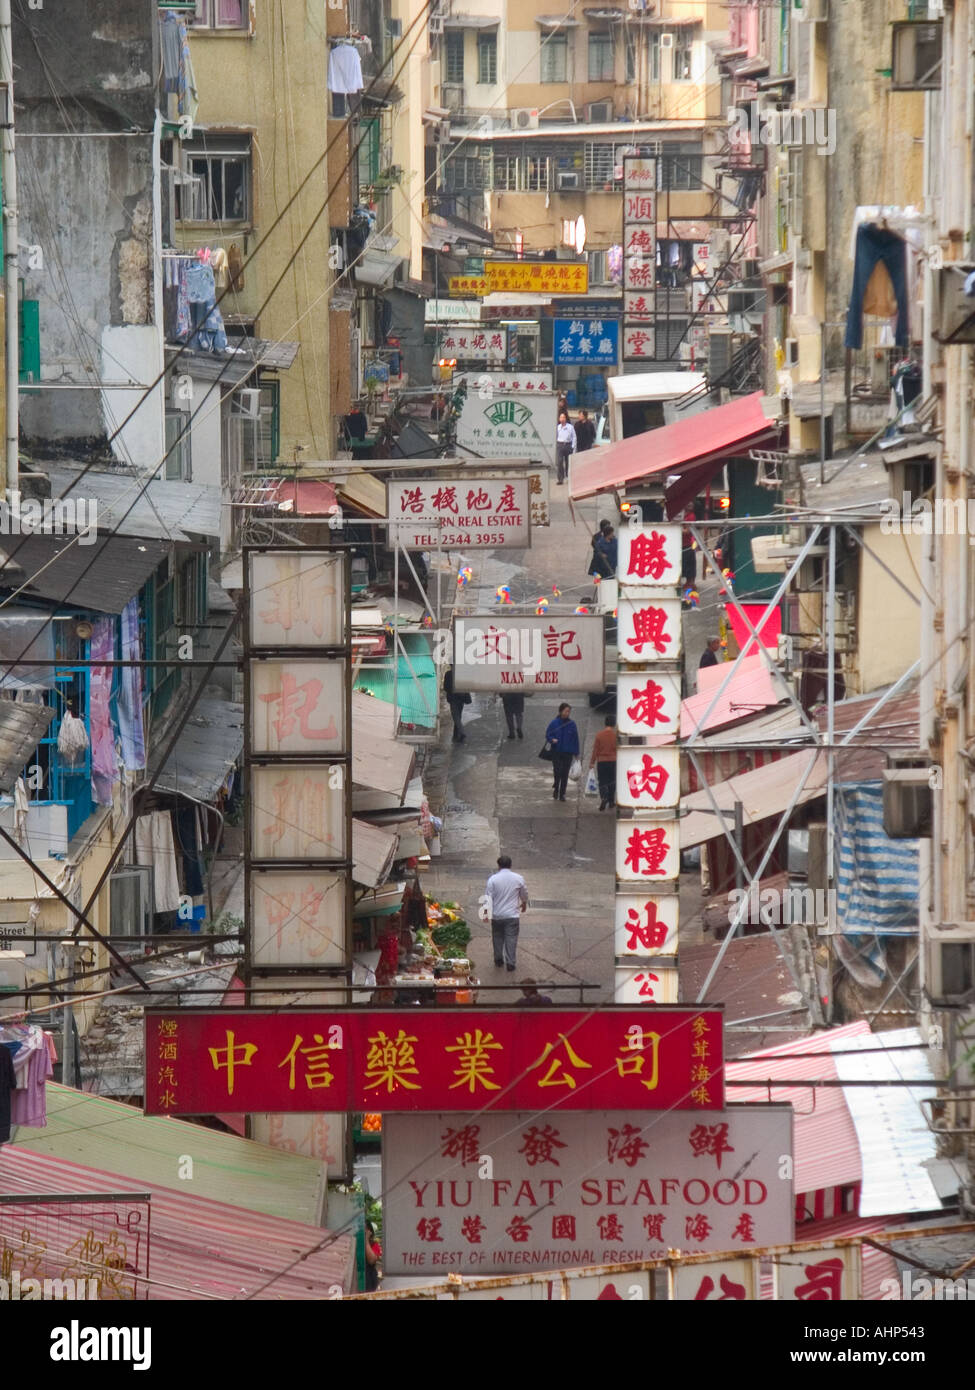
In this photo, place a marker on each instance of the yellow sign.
(467, 286)
(545, 277)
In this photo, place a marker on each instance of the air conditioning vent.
(524, 118)
(950, 965)
(599, 112)
(567, 179)
(907, 803)
(248, 402)
(916, 62)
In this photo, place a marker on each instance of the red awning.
(310, 497)
(749, 691)
(769, 631)
(706, 438)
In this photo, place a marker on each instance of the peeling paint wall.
(85, 111)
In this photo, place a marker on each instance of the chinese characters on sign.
(647, 851)
(646, 924)
(458, 512)
(567, 653)
(650, 556)
(472, 343)
(649, 704)
(297, 706)
(297, 811)
(297, 917)
(538, 497)
(639, 257)
(646, 984)
(648, 779)
(572, 1190)
(297, 599)
(459, 286)
(586, 341)
(546, 277)
(245, 1060)
(649, 629)
(638, 342)
(511, 414)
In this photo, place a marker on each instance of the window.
(455, 55)
(368, 156)
(487, 59)
(630, 51)
(219, 185)
(680, 170)
(178, 436)
(682, 55)
(555, 50)
(655, 57)
(506, 172)
(536, 174)
(600, 57)
(220, 14)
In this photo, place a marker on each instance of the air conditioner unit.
(907, 803)
(452, 95)
(599, 112)
(394, 28)
(441, 133)
(666, 40)
(567, 179)
(791, 352)
(524, 118)
(949, 959)
(248, 402)
(916, 61)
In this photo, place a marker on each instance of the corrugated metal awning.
(129, 506)
(232, 368)
(22, 726)
(363, 492)
(373, 853)
(205, 751)
(101, 577)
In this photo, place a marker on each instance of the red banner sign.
(238, 1061)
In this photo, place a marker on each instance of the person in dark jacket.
(585, 432)
(709, 657)
(608, 548)
(599, 562)
(456, 700)
(563, 735)
(514, 713)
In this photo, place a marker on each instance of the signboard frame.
(533, 651)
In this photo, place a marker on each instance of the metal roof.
(107, 1135)
(755, 980)
(206, 750)
(240, 362)
(163, 510)
(373, 853)
(200, 1248)
(22, 726)
(101, 577)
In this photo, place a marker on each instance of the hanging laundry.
(879, 300)
(6, 1092)
(877, 244)
(344, 70)
(187, 838)
(28, 1106)
(221, 269)
(130, 693)
(178, 75)
(154, 846)
(104, 764)
(235, 265)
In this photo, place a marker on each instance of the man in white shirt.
(508, 898)
(565, 445)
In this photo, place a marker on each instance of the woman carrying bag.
(562, 738)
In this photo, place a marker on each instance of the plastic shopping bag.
(575, 771)
(72, 740)
(592, 783)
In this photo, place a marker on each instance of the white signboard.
(538, 496)
(648, 705)
(649, 629)
(730, 1280)
(640, 207)
(571, 1189)
(510, 414)
(646, 924)
(639, 175)
(639, 307)
(649, 556)
(473, 343)
(297, 811)
(647, 851)
(452, 311)
(296, 600)
(313, 1136)
(297, 705)
(526, 654)
(638, 342)
(297, 917)
(458, 512)
(646, 984)
(647, 779)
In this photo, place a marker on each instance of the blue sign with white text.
(577, 342)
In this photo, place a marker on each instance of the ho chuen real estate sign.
(240, 1061)
(459, 512)
(486, 1193)
(526, 653)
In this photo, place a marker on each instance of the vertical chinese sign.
(298, 803)
(639, 257)
(648, 769)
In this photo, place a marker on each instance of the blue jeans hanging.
(877, 244)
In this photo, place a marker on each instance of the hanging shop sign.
(542, 277)
(638, 342)
(297, 705)
(321, 1136)
(539, 496)
(467, 286)
(581, 342)
(298, 812)
(297, 598)
(511, 414)
(576, 1190)
(646, 984)
(451, 311)
(639, 174)
(471, 343)
(639, 307)
(649, 629)
(647, 779)
(646, 923)
(523, 654)
(297, 917)
(639, 204)
(649, 556)
(237, 1061)
(648, 705)
(647, 851)
(459, 512)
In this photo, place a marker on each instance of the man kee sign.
(525, 654)
(459, 512)
(240, 1061)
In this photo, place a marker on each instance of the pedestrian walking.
(604, 761)
(514, 713)
(508, 898)
(709, 657)
(456, 700)
(585, 432)
(598, 560)
(563, 736)
(565, 445)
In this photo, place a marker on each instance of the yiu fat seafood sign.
(242, 1061)
(502, 1194)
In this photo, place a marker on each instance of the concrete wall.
(85, 92)
(888, 621)
(274, 84)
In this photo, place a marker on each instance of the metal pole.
(740, 842)
(68, 1062)
(830, 754)
(822, 402)
(11, 244)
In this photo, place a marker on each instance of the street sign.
(237, 1061)
(458, 512)
(482, 1193)
(524, 654)
(586, 342)
(509, 414)
(542, 277)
